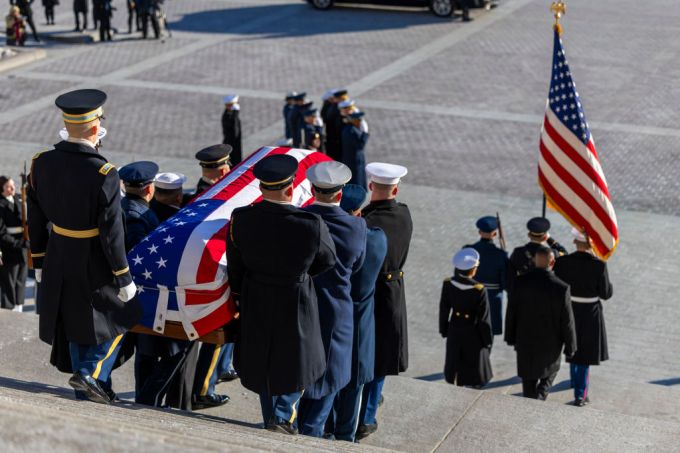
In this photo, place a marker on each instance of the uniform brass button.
(389, 276)
(401, 274)
(467, 316)
(458, 313)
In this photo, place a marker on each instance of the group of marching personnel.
(319, 290)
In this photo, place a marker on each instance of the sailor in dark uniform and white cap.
(465, 323)
(333, 293)
(86, 294)
(231, 127)
(521, 259)
(215, 163)
(391, 326)
(168, 196)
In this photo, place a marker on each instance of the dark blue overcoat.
(353, 143)
(493, 265)
(336, 310)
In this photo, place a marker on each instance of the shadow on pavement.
(667, 382)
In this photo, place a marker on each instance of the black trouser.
(537, 388)
(29, 21)
(49, 14)
(465, 6)
(84, 13)
(105, 29)
(150, 16)
(13, 284)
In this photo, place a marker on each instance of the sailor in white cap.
(465, 322)
(333, 293)
(394, 218)
(231, 127)
(168, 196)
(588, 280)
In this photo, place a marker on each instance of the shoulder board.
(39, 154)
(479, 287)
(447, 280)
(106, 168)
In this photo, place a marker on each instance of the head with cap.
(168, 188)
(277, 175)
(544, 257)
(299, 98)
(355, 117)
(487, 227)
(466, 262)
(214, 161)
(538, 229)
(315, 142)
(384, 180)
(138, 178)
(328, 178)
(82, 112)
(347, 106)
(290, 96)
(310, 115)
(354, 197)
(581, 240)
(230, 101)
(329, 96)
(340, 95)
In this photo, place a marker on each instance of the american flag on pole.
(569, 170)
(180, 269)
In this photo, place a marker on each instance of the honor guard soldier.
(215, 163)
(354, 138)
(328, 100)
(311, 129)
(588, 280)
(86, 294)
(493, 266)
(540, 325)
(295, 118)
(391, 327)
(465, 323)
(334, 124)
(333, 293)
(13, 264)
(287, 107)
(168, 195)
(348, 402)
(140, 220)
(521, 259)
(231, 127)
(273, 250)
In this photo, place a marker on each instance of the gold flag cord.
(559, 9)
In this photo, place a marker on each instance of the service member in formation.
(521, 259)
(168, 195)
(391, 327)
(13, 267)
(140, 220)
(327, 102)
(86, 294)
(273, 250)
(295, 118)
(311, 130)
(492, 271)
(347, 404)
(465, 323)
(588, 281)
(333, 293)
(287, 107)
(354, 138)
(80, 7)
(333, 121)
(231, 127)
(215, 163)
(540, 324)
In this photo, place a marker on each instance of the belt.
(491, 285)
(15, 230)
(393, 275)
(76, 234)
(585, 300)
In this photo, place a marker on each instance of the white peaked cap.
(383, 173)
(169, 180)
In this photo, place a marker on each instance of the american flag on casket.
(180, 269)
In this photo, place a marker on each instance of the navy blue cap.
(307, 105)
(353, 197)
(299, 96)
(356, 115)
(487, 224)
(277, 171)
(310, 112)
(214, 156)
(81, 106)
(538, 226)
(339, 93)
(138, 174)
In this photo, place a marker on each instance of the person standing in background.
(231, 127)
(14, 268)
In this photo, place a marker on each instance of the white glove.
(127, 292)
(363, 126)
(38, 275)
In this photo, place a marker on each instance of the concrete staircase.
(38, 413)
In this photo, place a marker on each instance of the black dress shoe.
(363, 431)
(89, 387)
(213, 400)
(467, 19)
(228, 376)
(281, 427)
(579, 402)
(112, 396)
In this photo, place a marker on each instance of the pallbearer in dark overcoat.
(465, 323)
(588, 280)
(273, 251)
(231, 127)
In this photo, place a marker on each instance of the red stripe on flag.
(202, 297)
(216, 319)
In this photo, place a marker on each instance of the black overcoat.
(465, 322)
(391, 327)
(588, 279)
(539, 323)
(231, 130)
(273, 250)
(12, 241)
(74, 187)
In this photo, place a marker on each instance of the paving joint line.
(448, 433)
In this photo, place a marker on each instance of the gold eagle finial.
(559, 9)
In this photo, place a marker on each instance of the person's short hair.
(326, 197)
(167, 194)
(139, 191)
(378, 187)
(544, 252)
(4, 180)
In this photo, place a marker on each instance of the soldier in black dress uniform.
(215, 163)
(295, 118)
(464, 322)
(391, 327)
(80, 7)
(287, 107)
(333, 122)
(14, 268)
(86, 290)
(521, 259)
(273, 250)
(588, 280)
(231, 127)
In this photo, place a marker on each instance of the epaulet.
(479, 287)
(106, 168)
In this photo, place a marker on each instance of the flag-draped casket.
(180, 269)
